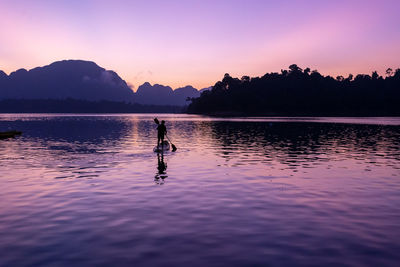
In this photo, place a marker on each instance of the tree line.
(302, 92)
(70, 105)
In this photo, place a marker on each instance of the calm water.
(88, 190)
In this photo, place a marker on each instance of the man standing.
(162, 130)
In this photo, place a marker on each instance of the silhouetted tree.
(294, 68)
(298, 92)
(245, 79)
(79, 106)
(350, 77)
(375, 75)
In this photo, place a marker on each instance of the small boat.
(162, 147)
(9, 134)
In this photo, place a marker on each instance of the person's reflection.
(161, 169)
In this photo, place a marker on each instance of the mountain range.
(85, 80)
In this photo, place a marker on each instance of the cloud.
(143, 75)
(107, 77)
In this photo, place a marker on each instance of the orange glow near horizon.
(179, 44)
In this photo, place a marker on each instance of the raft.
(162, 147)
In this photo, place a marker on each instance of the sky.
(195, 42)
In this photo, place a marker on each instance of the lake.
(88, 190)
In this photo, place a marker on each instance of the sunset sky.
(195, 42)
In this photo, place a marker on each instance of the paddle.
(173, 146)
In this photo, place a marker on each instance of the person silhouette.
(161, 131)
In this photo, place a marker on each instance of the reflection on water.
(240, 191)
(161, 169)
(299, 146)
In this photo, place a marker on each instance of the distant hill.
(76, 79)
(85, 80)
(182, 94)
(205, 89)
(153, 94)
(164, 95)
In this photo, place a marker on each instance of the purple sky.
(195, 42)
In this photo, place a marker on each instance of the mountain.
(75, 79)
(182, 94)
(157, 94)
(3, 75)
(164, 95)
(205, 89)
(85, 80)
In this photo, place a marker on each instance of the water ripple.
(88, 190)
